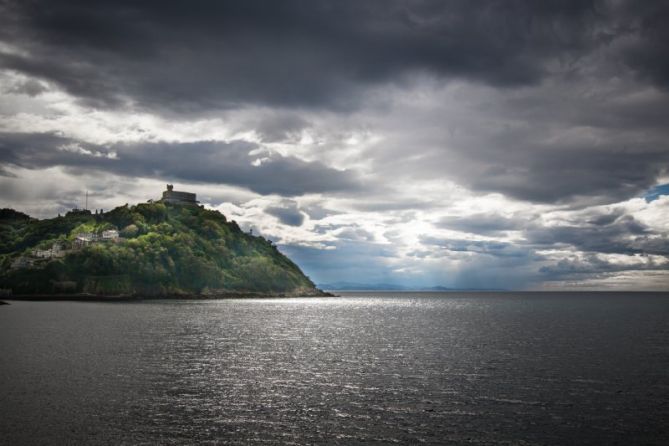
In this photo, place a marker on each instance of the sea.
(363, 368)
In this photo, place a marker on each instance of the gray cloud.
(554, 144)
(493, 248)
(624, 236)
(288, 213)
(561, 103)
(317, 212)
(593, 266)
(28, 87)
(483, 223)
(212, 54)
(604, 232)
(561, 173)
(605, 219)
(280, 127)
(356, 233)
(594, 235)
(203, 161)
(648, 52)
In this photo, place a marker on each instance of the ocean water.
(365, 368)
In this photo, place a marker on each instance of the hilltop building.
(175, 197)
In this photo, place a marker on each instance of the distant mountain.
(354, 286)
(342, 286)
(150, 249)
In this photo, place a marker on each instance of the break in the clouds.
(468, 144)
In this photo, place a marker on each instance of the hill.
(150, 249)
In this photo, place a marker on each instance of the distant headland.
(170, 247)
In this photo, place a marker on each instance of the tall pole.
(86, 208)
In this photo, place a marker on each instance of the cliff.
(151, 249)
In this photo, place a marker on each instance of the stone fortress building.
(175, 197)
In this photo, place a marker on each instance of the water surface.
(366, 368)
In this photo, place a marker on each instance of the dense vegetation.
(163, 250)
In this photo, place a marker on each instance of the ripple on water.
(433, 369)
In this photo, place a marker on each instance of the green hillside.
(151, 249)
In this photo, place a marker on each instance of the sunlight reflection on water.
(372, 367)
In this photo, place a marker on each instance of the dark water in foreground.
(379, 368)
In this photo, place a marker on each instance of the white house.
(84, 238)
(110, 234)
(21, 262)
(42, 253)
(56, 250)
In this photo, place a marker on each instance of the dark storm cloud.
(215, 55)
(203, 55)
(203, 161)
(553, 102)
(595, 142)
(563, 172)
(648, 52)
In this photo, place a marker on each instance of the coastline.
(85, 297)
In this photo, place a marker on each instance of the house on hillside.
(22, 262)
(110, 235)
(42, 253)
(55, 251)
(84, 238)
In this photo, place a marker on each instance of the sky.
(489, 144)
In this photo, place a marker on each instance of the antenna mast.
(86, 208)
